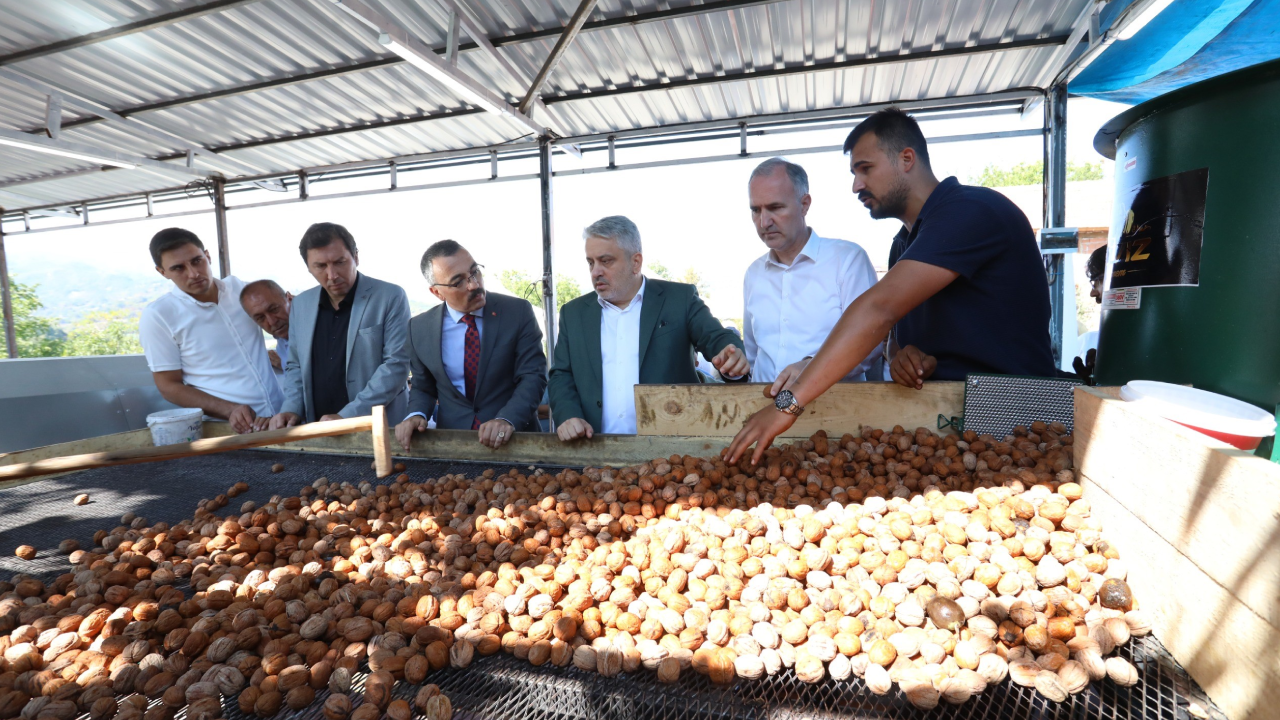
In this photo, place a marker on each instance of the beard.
(893, 204)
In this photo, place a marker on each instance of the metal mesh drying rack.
(502, 687)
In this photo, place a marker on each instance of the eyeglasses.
(473, 277)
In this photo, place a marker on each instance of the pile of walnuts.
(940, 563)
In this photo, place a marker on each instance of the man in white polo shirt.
(203, 348)
(794, 293)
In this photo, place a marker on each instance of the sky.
(690, 216)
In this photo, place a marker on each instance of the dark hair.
(170, 238)
(1097, 266)
(322, 235)
(256, 285)
(895, 131)
(438, 249)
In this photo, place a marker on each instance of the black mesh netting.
(500, 686)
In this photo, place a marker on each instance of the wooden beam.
(380, 438)
(205, 446)
(1195, 521)
(718, 410)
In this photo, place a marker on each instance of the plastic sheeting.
(1190, 41)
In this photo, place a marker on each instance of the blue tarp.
(1190, 41)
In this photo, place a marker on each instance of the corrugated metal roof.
(328, 120)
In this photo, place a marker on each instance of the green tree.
(693, 277)
(37, 336)
(104, 333)
(1032, 173)
(523, 286)
(566, 289)
(659, 271)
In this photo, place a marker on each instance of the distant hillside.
(69, 291)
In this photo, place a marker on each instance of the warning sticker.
(1122, 299)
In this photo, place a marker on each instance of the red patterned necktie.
(471, 361)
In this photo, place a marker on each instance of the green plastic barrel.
(1224, 334)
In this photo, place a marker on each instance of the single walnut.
(337, 707)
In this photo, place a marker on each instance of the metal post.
(548, 273)
(392, 171)
(742, 139)
(1055, 210)
(220, 218)
(304, 189)
(6, 300)
(612, 149)
(493, 164)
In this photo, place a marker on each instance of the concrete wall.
(52, 400)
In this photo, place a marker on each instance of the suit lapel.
(488, 338)
(305, 334)
(591, 341)
(433, 357)
(357, 314)
(650, 310)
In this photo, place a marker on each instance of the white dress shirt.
(789, 310)
(216, 345)
(453, 348)
(620, 358)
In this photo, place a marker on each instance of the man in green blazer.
(631, 330)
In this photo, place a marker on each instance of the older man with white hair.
(794, 294)
(631, 330)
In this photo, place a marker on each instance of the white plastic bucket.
(169, 427)
(1218, 416)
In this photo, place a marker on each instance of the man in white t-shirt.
(794, 294)
(204, 351)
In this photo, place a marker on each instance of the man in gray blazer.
(476, 356)
(346, 337)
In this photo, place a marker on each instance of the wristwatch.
(786, 402)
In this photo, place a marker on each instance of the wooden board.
(719, 410)
(1213, 503)
(524, 448)
(1197, 524)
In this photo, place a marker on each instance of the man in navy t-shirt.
(966, 290)
(994, 316)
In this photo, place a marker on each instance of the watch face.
(784, 400)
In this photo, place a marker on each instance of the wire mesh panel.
(996, 404)
(502, 687)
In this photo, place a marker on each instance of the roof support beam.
(1088, 15)
(557, 52)
(366, 65)
(211, 158)
(399, 40)
(670, 85)
(143, 25)
(90, 153)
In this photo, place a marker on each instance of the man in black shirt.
(329, 351)
(346, 337)
(966, 291)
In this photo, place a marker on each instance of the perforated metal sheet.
(502, 687)
(996, 404)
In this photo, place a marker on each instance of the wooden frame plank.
(1197, 525)
(718, 410)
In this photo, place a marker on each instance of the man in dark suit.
(631, 330)
(477, 356)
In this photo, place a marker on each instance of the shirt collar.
(634, 301)
(455, 316)
(813, 250)
(940, 193)
(222, 289)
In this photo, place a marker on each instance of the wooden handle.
(198, 447)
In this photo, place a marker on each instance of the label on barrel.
(1122, 299)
